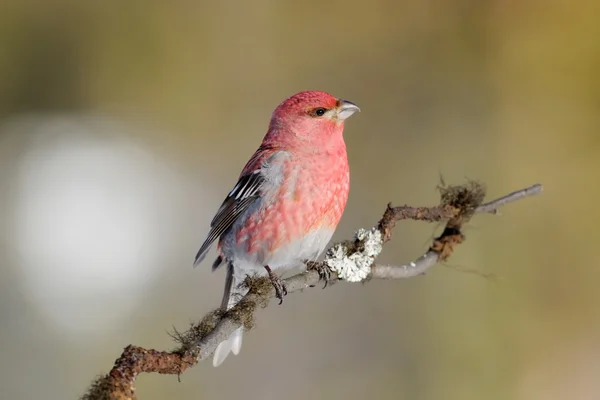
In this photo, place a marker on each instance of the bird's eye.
(319, 112)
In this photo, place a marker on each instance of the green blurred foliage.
(505, 92)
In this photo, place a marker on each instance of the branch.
(492, 206)
(350, 260)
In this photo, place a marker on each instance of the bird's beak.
(345, 109)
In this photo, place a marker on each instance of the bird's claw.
(278, 284)
(323, 271)
(324, 274)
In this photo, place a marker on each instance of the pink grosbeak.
(288, 200)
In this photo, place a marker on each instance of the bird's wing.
(244, 193)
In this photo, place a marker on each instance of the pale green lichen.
(355, 267)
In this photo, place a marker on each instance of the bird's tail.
(232, 294)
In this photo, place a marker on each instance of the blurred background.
(124, 124)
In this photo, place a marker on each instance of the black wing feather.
(245, 192)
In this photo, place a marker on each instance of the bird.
(287, 202)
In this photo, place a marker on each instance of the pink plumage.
(288, 200)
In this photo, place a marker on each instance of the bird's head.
(312, 115)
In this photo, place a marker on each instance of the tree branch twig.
(458, 205)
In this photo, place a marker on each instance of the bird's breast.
(299, 213)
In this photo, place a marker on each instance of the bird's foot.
(278, 284)
(322, 269)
